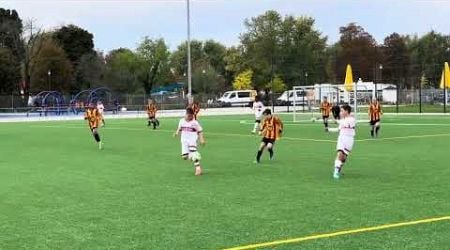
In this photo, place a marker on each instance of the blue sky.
(121, 23)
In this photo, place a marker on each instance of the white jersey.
(347, 127)
(189, 131)
(258, 108)
(346, 135)
(100, 108)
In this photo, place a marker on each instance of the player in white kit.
(258, 108)
(100, 109)
(346, 129)
(191, 132)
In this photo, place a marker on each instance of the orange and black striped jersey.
(375, 111)
(272, 128)
(325, 107)
(93, 116)
(151, 109)
(196, 108)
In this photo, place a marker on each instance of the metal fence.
(408, 101)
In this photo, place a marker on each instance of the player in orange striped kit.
(325, 107)
(271, 131)
(94, 117)
(375, 113)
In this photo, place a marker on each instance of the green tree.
(277, 86)
(206, 81)
(75, 41)
(9, 76)
(178, 58)
(11, 29)
(261, 43)
(215, 53)
(358, 48)
(396, 58)
(50, 58)
(33, 38)
(122, 68)
(234, 61)
(154, 67)
(12, 49)
(288, 47)
(243, 80)
(90, 70)
(206, 57)
(428, 54)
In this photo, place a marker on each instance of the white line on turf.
(303, 123)
(254, 136)
(171, 131)
(403, 137)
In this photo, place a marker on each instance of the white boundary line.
(254, 136)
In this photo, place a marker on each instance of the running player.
(325, 107)
(195, 105)
(191, 132)
(151, 112)
(101, 109)
(375, 113)
(271, 131)
(336, 110)
(346, 130)
(93, 117)
(258, 108)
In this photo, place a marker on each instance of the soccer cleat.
(336, 175)
(198, 171)
(100, 145)
(256, 161)
(271, 158)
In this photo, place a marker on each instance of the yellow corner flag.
(348, 82)
(445, 78)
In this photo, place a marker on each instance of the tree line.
(275, 52)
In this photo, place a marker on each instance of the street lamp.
(380, 67)
(49, 73)
(189, 73)
(306, 78)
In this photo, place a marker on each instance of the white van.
(237, 98)
(288, 97)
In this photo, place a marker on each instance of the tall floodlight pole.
(189, 71)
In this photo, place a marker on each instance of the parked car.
(288, 97)
(237, 98)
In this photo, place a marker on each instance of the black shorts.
(373, 122)
(258, 121)
(267, 141)
(151, 117)
(336, 117)
(325, 116)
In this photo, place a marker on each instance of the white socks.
(337, 166)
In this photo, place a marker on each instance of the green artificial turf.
(58, 191)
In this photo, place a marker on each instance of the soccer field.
(58, 191)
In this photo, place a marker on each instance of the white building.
(387, 93)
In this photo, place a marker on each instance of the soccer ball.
(313, 119)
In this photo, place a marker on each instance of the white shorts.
(188, 147)
(258, 117)
(345, 144)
